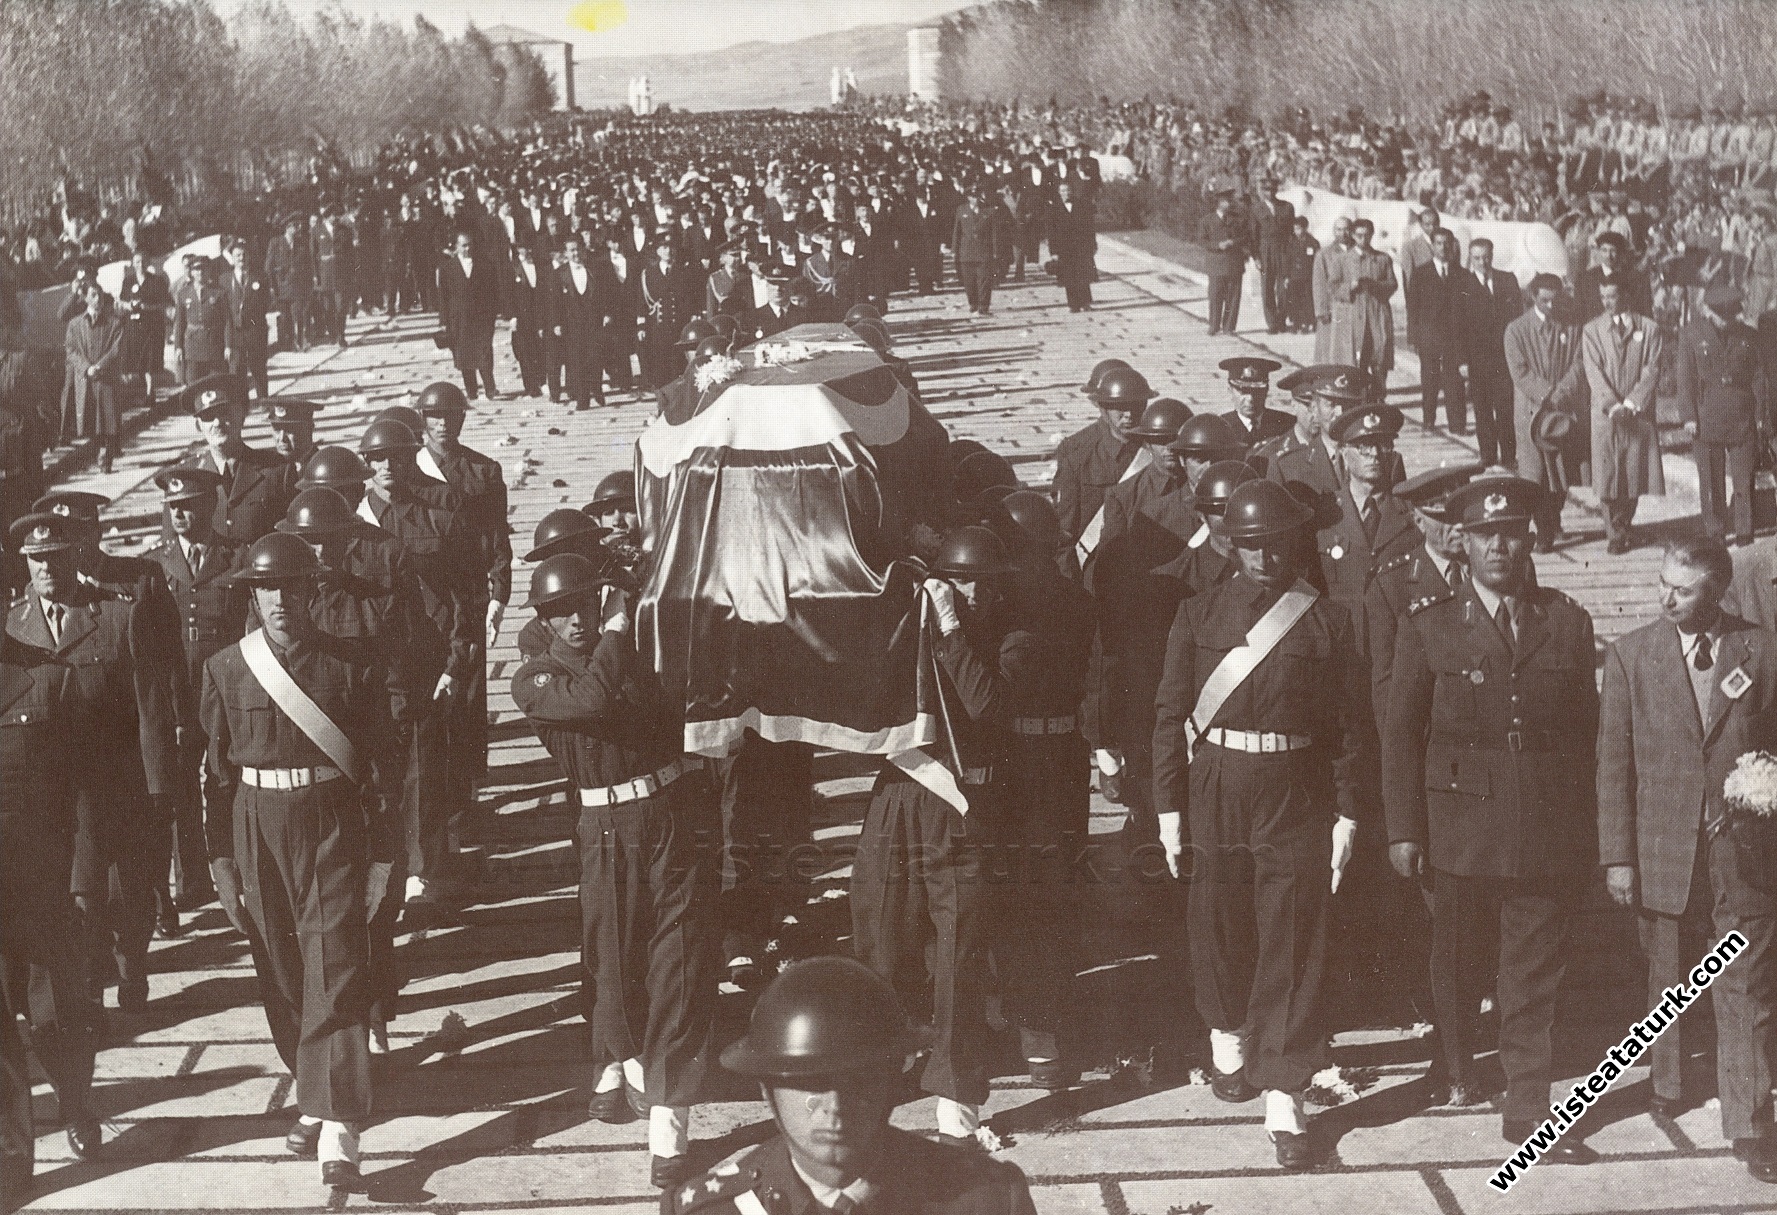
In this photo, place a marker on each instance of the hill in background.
(753, 75)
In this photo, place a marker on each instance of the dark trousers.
(1490, 393)
(1260, 864)
(1079, 292)
(1224, 302)
(1619, 516)
(249, 361)
(427, 804)
(1716, 464)
(114, 895)
(767, 798)
(1299, 294)
(977, 281)
(1744, 994)
(645, 936)
(18, 1136)
(1274, 294)
(1037, 947)
(197, 369)
(302, 855)
(293, 321)
(919, 913)
(1529, 922)
(533, 369)
(1439, 377)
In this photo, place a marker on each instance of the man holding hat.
(1487, 761)
(1718, 373)
(256, 484)
(1549, 391)
(302, 837)
(1259, 738)
(195, 564)
(1249, 382)
(646, 886)
(829, 1046)
(292, 429)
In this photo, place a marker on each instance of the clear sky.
(654, 26)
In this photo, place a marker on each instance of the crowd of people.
(1365, 746)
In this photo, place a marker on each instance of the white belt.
(288, 778)
(1038, 726)
(642, 786)
(1258, 744)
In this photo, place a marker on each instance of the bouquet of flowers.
(718, 370)
(776, 354)
(1751, 788)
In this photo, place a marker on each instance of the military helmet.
(1122, 388)
(564, 576)
(618, 487)
(279, 557)
(334, 466)
(1161, 420)
(317, 512)
(407, 415)
(1038, 522)
(972, 552)
(695, 330)
(859, 311)
(710, 347)
(1218, 481)
(1209, 437)
(980, 470)
(826, 1018)
(1097, 374)
(387, 434)
(563, 531)
(440, 398)
(1261, 510)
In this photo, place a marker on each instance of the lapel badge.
(1336, 552)
(1477, 677)
(1735, 685)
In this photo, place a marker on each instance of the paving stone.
(1716, 1182)
(1274, 1193)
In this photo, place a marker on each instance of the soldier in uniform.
(39, 929)
(203, 330)
(1315, 468)
(249, 301)
(1372, 527)
(301, 839)
(257, 485)
(560, 531)
(1249, 383)
(1259, 738)
(195, 565)
(829, 1046)
(1718, 372)
(613, 507)
(1487, 763)
(290, 269)
(1208, 559)
(645, 880)
(293, 430)
(1300, 384)
(729, 289)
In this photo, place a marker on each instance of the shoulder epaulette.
(725, 1183)
(1395, 563)
(1419, 605)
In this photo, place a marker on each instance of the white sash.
(1243, 659)
(308, 716)
(428, 464)
(1088, 541)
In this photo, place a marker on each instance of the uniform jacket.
(1272, 423)
(1543, 357)
(1487, 751)
(1403, 584)
(979, 237)
(212, 608)
(602, 714)
(1623, 368)
(1349, 562)
(250, 504)
(1661, 765)
(202, 328)
(1087, 463)
(38, 754)
(1717, 373)
(445, 632)
(482, 485)
(1148, 520)
(919, 1177)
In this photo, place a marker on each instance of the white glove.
(1344, 833)
(443, 690)
(943, 597)
(496, 611)
(1172, 839)
(376, 885)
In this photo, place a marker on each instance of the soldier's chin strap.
(1243, 659)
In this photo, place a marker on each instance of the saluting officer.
(1249, 383)
(645, 879)
(39, 929)
(257, 485)
(829, 1044)
(301, 840)
(1487, 763)
(121, 698)
(195, 564)
(1259, 738)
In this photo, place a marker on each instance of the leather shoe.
(343, 1175)
(1667, 1107)
(1760, 1158)
(132, 995)
(1293, 1152)
(1111, 785)
(167, 925)
(669, 1172)
(303, 1139)
(1232, 1088)
(1053, 1075)
(611, 1106)
(85, 1138)
(638, 1100)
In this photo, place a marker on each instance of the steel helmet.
(1122, 388)
(1218, 481)
(564, 576)
(1260, 510)
(334, 466)
(279, 557)
(695, 330)
(407, 415)
(1161, 420)
(317, 512)
(563, 531)
(980, 470)
(826, 1017)
(1035, 516)
(387, 434)
(858, 312)
(617, 487)
(442, 397)
(972, 552)
(1208, 437)
(725, 325)
(710, 347)
(1090, 387)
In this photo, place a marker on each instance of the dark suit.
(923, 240)
(532, 307)
(623, 313)
(1717, 373)
(290, 268)
(1073, 240)
(469, 306)
(584, 318)
(249, 299)
(1223, 238)
(1438, 310)
(1492, 306)
(1273, 240)
(1661, 765)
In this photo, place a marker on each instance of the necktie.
(1703, 658)
(197, 558)
(843, 1205)
(1455, 578)
(1503, 619)
(1371, 517)
(54, 616)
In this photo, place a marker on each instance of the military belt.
(642, 786)
(1039, 726)
(1255, 742)
(1511, 740)
(289, 778)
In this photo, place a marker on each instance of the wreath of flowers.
(776, 354)
(717, 370)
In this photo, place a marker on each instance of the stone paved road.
(483, 1101)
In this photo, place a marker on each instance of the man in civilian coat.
(469, 305)
(925, 226)
(249, 300)
(531, 303)
(1718, 373)
(1273, 242)
(978, 242)
(1223, 238)
(1543, 355)
(583, 296)
(1621, 353)
(1438, 312)
(1494, 301)
(290, 268)
(1684, 698)
(1073, 240)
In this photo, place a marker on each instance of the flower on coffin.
(1751, 787)
(776, 354)
(719, 370)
